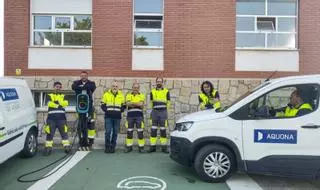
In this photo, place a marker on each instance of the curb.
(98, 142)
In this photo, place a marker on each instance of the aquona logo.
(280, 136)
(11, 94)
(8, 94)
(275, 136)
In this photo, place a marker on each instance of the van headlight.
(183, 126)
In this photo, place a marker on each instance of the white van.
(247, 136)
(18, 119)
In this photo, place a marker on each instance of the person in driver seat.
(296, 107)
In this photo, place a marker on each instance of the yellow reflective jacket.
(160, 98)
(56, 106)
(112, 104)
(206, 103)
(135, 111)
(292, 112)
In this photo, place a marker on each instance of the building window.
(267, 24)
(41, 100)
(61, 30)
(148, 24)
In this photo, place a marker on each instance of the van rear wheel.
(214, 163)
(31, 144)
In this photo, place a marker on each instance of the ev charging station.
(83, 111)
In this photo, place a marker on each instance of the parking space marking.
(46, 183)
(242, 182)
(142, 182)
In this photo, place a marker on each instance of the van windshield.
(244, 95)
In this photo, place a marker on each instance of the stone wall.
(184, 94)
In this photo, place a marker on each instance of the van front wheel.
(30, 145)
(214, 163)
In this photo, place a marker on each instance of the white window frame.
(149, 30)
(266, 33)
(42, 99)
(146, 29)
(53, 29)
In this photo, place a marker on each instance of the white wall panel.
(268, 60)
(62, 6)
(147, 59)
(59, 58)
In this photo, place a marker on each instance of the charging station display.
(83, 110)
(82, 103)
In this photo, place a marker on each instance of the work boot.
(91, 142)
(112, 149)
(47, 151)
(164, 149)
(107, 149)
(128, 149)
(141, 149)
(67, 149)
(152, 149)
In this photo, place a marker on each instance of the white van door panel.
(285, 136)
(13, 135)
(283, 147)
(9, 140)
(17, 116)
(279, 145)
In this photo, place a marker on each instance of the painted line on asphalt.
(142, 182)
(46, 183)
(242, 182)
